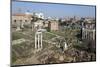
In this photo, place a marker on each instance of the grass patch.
(47, 36)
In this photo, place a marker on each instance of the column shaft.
(38, 41)
(41, 40)
(93, 34)
(35, 41)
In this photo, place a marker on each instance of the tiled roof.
(21, 15)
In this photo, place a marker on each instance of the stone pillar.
(18, 26)
(35, 41)
(41, 40)
(93, 34)
(65, 45)
(38, 41)
(83, 34)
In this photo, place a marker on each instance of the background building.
(88, 30)
(53, 25)
(18, 20)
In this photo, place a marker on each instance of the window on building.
(25, 20)
(14, 20)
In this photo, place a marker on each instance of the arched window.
(14, 20)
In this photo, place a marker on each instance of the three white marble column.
(38, 40)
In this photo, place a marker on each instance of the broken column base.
(37, 50)
(18, 28)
